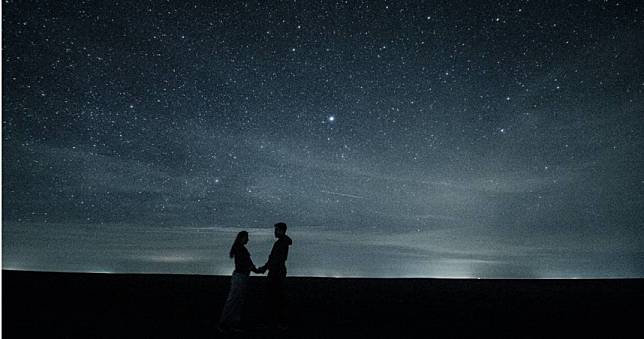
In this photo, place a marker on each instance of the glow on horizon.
(203, 251)
(223, 272)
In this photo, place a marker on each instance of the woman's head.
(242, 237)
(240, 240)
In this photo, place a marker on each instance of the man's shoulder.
(285, 240)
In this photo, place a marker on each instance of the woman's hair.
(238, 242)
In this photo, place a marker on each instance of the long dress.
(232, 312)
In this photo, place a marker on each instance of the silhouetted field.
(79, 305)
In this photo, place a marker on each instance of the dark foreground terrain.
(74, 305)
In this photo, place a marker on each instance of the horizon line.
(329, 276)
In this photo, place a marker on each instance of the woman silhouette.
(231, 314)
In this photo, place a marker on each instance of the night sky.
(437, 139)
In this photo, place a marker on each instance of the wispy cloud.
(342, 194)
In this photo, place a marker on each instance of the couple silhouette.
(275, 285)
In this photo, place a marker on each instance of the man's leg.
(277, 300)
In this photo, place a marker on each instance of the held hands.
(260, 270)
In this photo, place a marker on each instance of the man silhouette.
(276, 278)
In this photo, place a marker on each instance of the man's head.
(280, 229)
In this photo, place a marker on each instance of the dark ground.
(76, 305)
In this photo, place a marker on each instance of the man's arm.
(273, 258)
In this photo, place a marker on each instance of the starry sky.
(476, 139)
